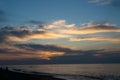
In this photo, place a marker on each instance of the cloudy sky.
(59, 31)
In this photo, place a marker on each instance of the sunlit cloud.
(110, 39)
(92, 28)
(86, 31)
(57, 25)
(55, 30)
(59, 29)
(45, 35)
(25, 33)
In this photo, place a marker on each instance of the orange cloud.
(46, 35)
(46, 55)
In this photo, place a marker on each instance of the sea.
(73, 71)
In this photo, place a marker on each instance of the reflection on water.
(75, 70)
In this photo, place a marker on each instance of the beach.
(6, 74)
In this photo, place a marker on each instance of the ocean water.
(75, 71)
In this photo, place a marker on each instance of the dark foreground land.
(6, 74)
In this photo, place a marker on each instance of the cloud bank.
(10, 35)
(92, 28)
(57, 30)
(47, 52)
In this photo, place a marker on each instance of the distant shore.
(6, 74)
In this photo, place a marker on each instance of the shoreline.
(6, 74)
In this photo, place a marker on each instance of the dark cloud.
(7, 31)
(51, 48)
(32, 51)
(28, 54)
(41, 26)
(30, 48)
(17, 32)
(67, 59)
(100, 26)
(35, 22)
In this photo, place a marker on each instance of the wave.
(87, 77)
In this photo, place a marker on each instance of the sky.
(59, 31)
